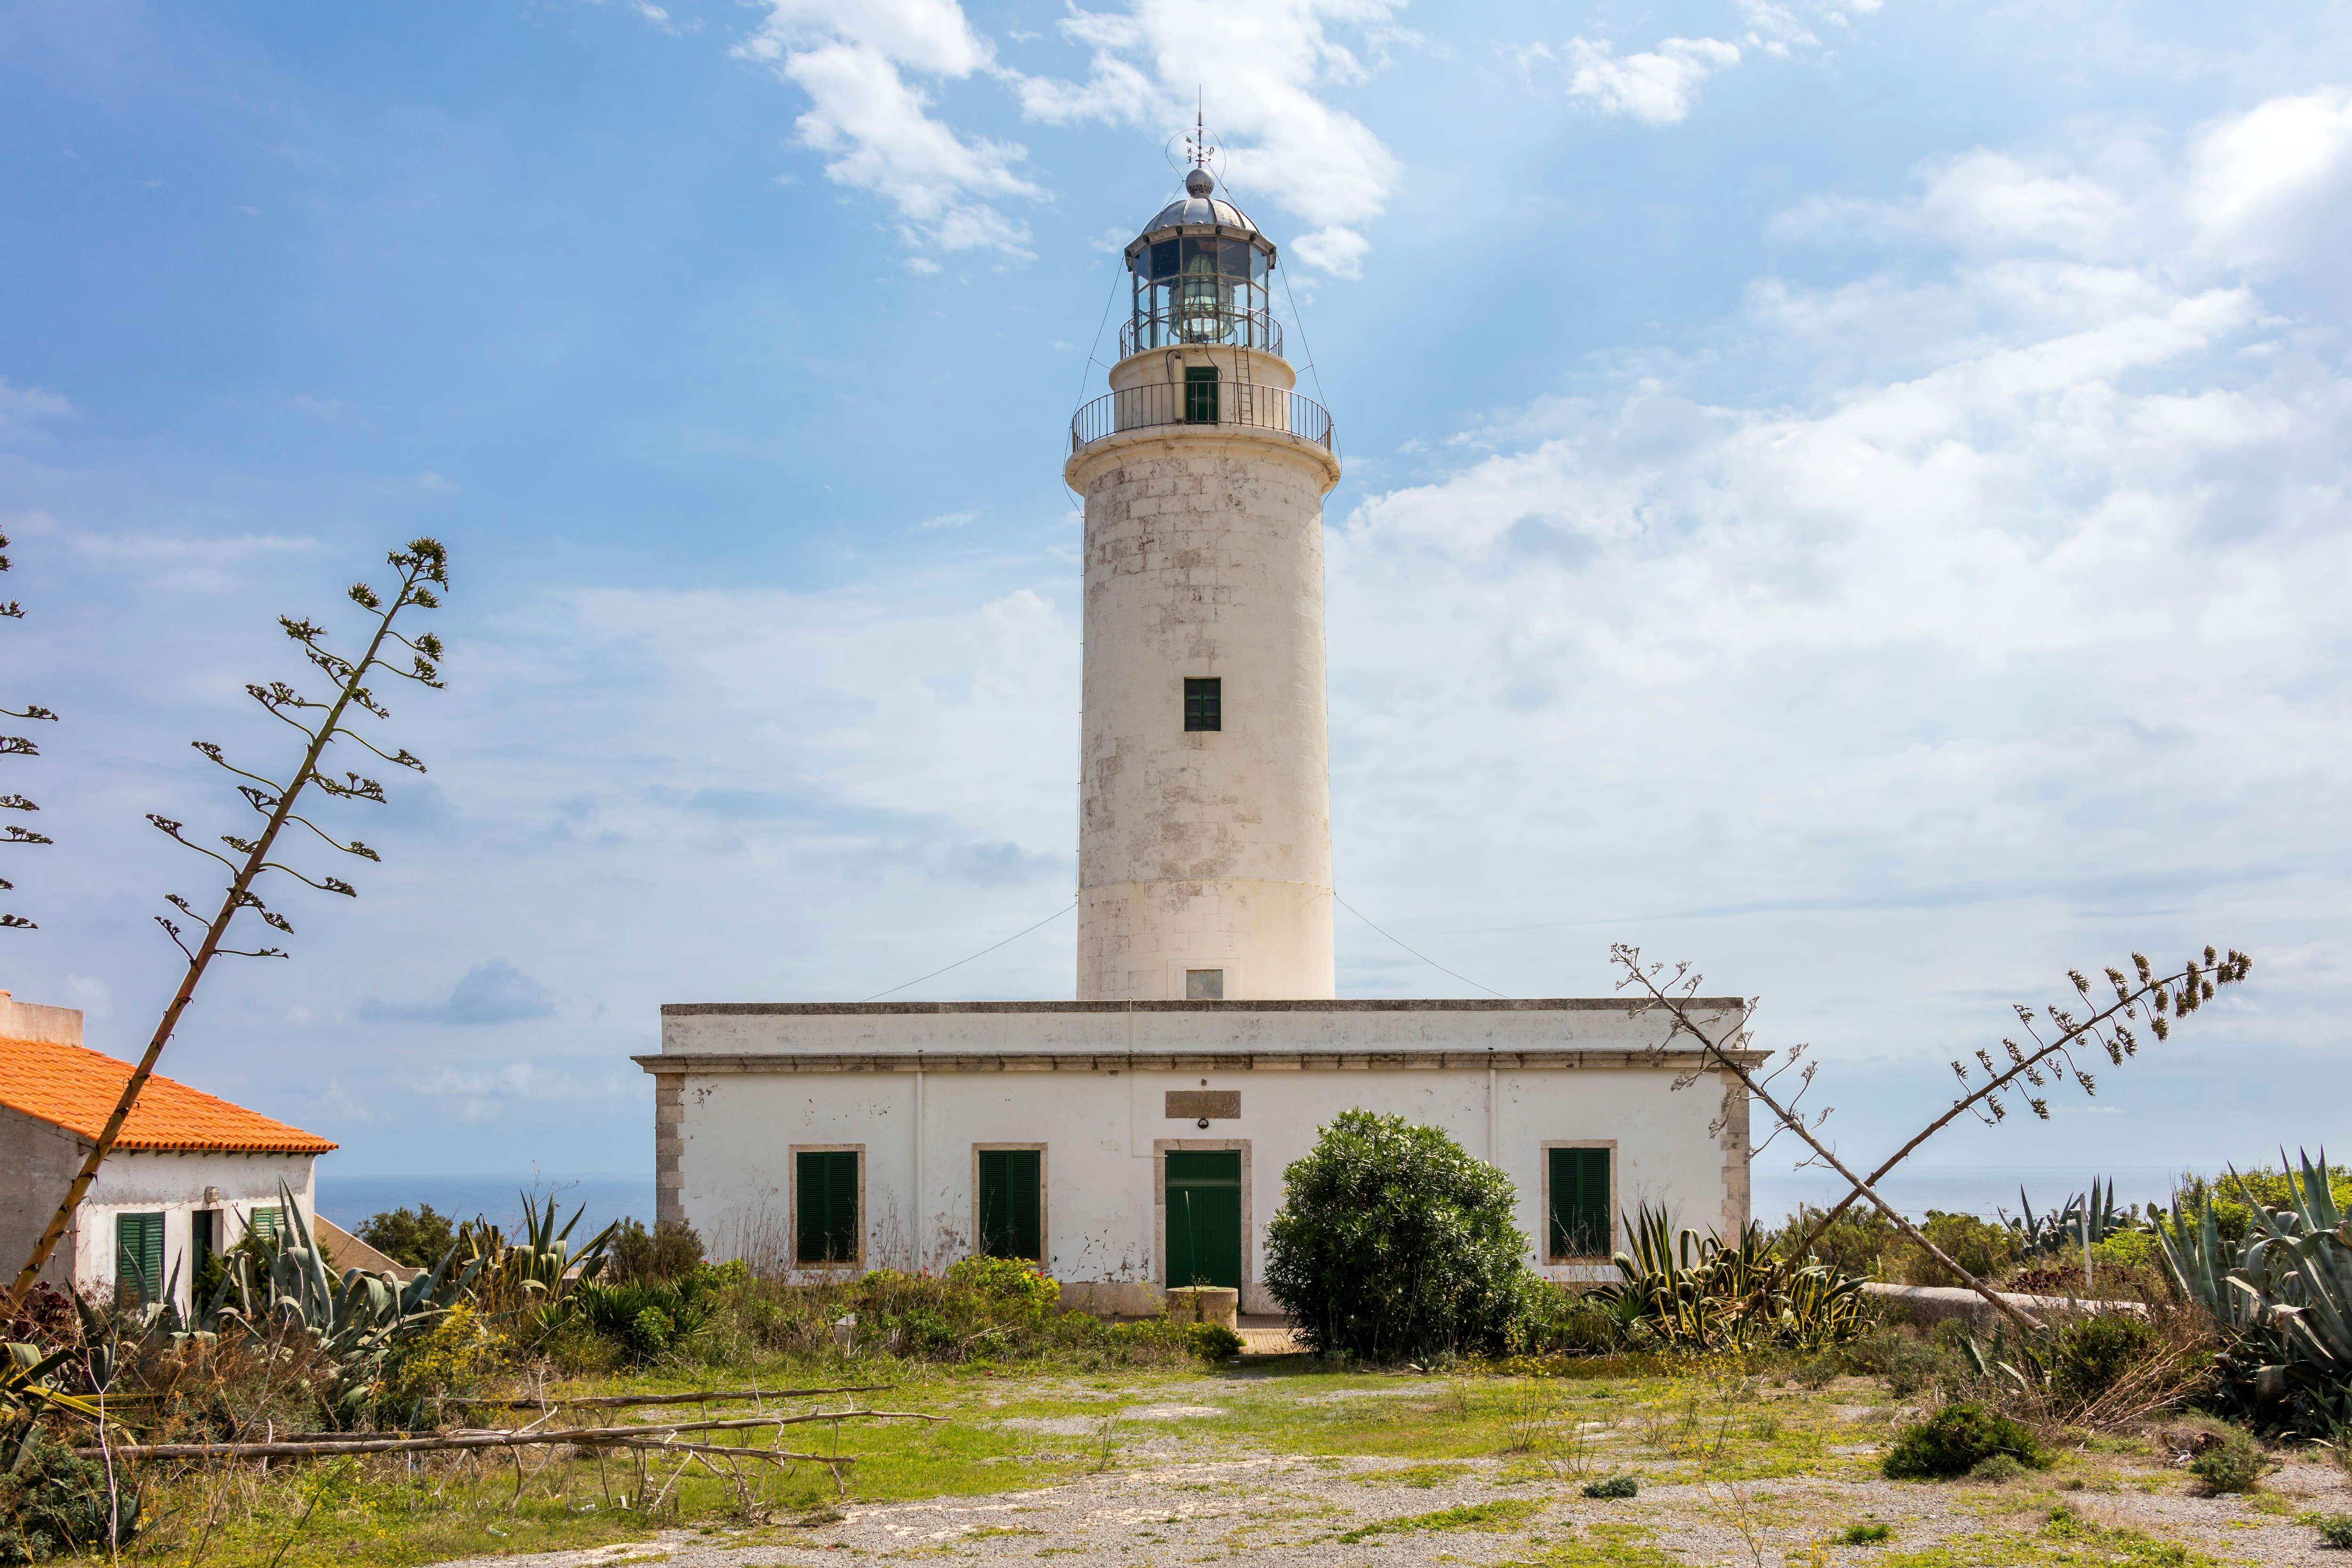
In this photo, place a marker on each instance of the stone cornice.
(735, 1062)
(1349, 1004)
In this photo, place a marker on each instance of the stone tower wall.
(1205, 557)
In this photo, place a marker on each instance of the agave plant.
(26, 1394)
(281, 1283)
(538, 1270)
(2281, 1298)
(2088, 1218)
(1696, 1293)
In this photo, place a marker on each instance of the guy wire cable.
(1110, 300)
(984, 953)
(1415, 952)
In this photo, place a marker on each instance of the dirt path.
(1288, 1510)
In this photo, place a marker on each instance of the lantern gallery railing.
(1164, 329)
(1237, 403)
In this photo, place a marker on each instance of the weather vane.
(1200, 152)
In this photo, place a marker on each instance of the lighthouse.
(1204, 819)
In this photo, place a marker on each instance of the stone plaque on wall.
(1191, 1104)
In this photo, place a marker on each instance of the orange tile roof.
(76, 1088)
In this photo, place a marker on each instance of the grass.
(1501, 1513)
(1516, 1446)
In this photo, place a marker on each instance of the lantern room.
(1200, 272)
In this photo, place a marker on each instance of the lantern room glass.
(1201, 288)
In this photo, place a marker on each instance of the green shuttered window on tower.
(1011, 1202)
(138, 1257)
(1580, 1208)
(825, 1184)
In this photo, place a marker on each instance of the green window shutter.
(1010, 1204)
(1204, 702)
(1580, 1220)
(825, 1198)
(138, 1257)
(263, 1224)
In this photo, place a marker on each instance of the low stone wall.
(1927, 1305)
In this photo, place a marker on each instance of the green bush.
(1014, 1285)
(2093, 1354)
(1858, 1242)
(418, 1238)
(1393, 1243)
(646, 1319)
(1982, 1247)
(1866, 1535)
(2336, 1530)
(671, 1251)
(54, 1505)
(1956, 1440)
(2234, 1463)
(1995, 1469)
(1614, 1486)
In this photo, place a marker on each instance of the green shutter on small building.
(138, 1257)
(1011, 1199)
(263, 1224)
(1579, 1221)
(827, 1195)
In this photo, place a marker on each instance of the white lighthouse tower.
(1204, 820)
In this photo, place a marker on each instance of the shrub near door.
(1394, 1244)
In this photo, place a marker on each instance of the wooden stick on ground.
(701, 1396)
(583, 1437)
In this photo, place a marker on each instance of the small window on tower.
(1204, 986)
(1203, 704)
(1200, 390)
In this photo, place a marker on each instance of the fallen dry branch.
(644, 1437)
(701, 1396)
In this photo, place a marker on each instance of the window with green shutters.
(826, 1189)
(1011, 1203)
(1204, 702)
(263, 1224)
(1201, 395)
(138, 1257)
(1580, 1208)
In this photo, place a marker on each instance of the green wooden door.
(1204, 1218)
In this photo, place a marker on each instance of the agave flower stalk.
(421, 567)
(19, 746)
(2108, 1028)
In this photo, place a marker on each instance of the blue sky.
(1853, 495)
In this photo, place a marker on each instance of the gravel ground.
(1280, 1511)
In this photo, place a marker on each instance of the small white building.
(1135, 1139)
(186, 1179)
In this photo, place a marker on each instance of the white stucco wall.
(1203, 557)
(919, 1090)
(179, 1185)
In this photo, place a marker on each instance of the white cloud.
(1981, 607)
(852, 60)
(2261, 184)
(948, 520)
(1268, 67)
(1656, 86)
(22, 406)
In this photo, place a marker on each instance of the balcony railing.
(1228, 404)
(1176, 326)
